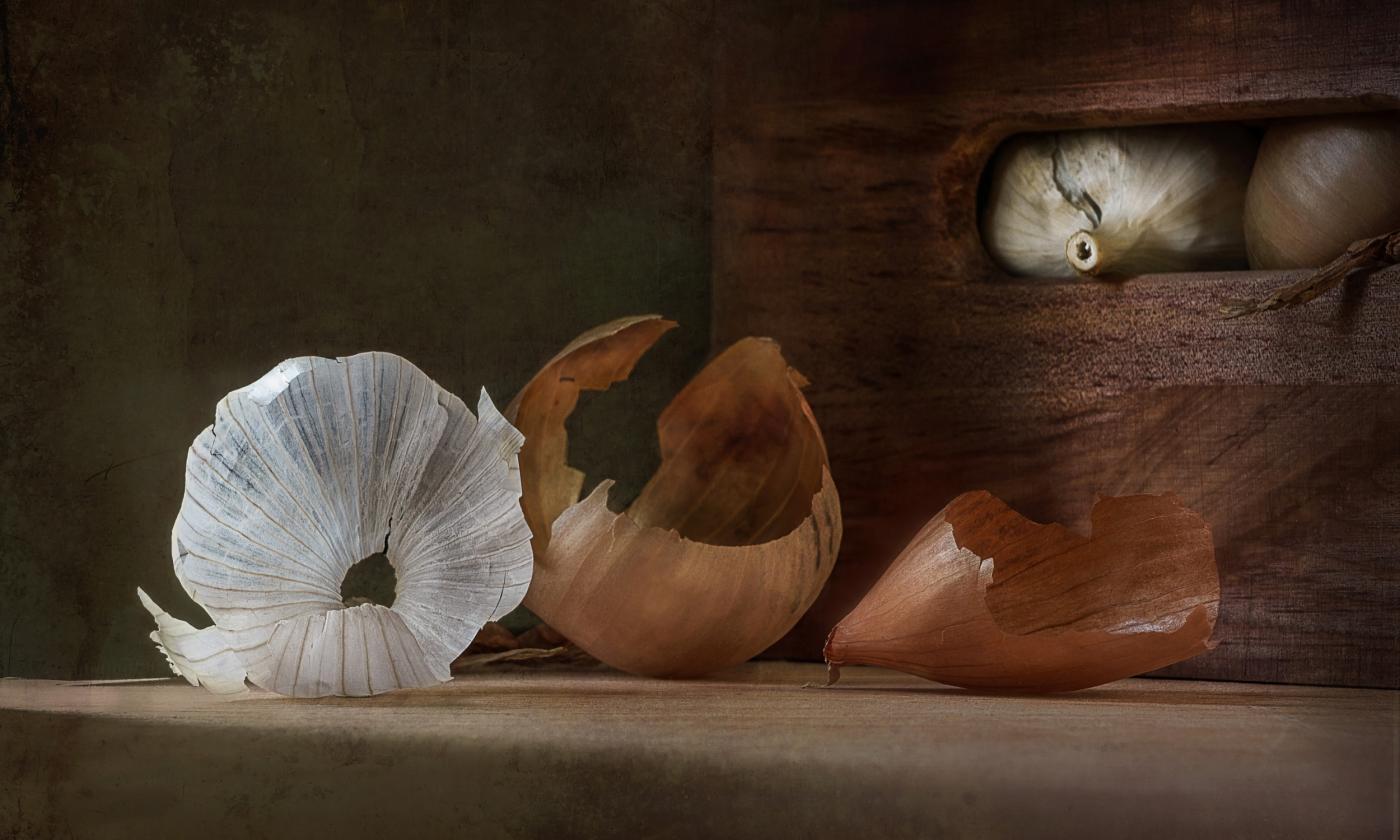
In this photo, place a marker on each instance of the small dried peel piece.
(985, 598)
(729, 542)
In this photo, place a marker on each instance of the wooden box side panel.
(848, 145)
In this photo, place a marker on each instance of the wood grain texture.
(747, 754)
(849, 142)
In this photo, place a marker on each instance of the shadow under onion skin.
(728, 543)
(984, 598)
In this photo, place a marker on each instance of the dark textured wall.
(188, 195)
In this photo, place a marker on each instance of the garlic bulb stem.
(1084, 252)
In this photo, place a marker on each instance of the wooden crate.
(849, 143)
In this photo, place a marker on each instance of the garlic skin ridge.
(317, 465)
(1119, 201)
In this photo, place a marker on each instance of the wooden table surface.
(751, 753)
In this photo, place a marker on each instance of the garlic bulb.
(317, 465)
(985, 598)
(1321, 184)
(1119, 201)
(729, 542)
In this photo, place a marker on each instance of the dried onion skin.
(729, 542)
(984, 598)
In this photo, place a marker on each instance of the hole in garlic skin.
(370, 581)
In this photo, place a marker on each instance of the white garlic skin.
(1149, 199)
(312, 468)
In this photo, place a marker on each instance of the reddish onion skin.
(984, 598)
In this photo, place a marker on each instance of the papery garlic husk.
(322, 463)
(984, 598)
(202, 657)
(1119, 201)
(729, 542)
(1319, 185)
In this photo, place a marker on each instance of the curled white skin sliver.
(314, 467)
(202, 657)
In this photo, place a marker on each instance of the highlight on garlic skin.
(1119, 201)
(729, 542)
(985, 598)
(1321, 184)
(322, 463)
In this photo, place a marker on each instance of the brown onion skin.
(727, 545)
(1320, 184)
(986, 599)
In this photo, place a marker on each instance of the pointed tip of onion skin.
(1006, 604)
(728, 543)
(832, 658)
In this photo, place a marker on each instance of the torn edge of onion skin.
(202, 657)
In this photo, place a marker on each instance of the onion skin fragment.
(983, 598)
(727, 545)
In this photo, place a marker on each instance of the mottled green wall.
(191, 192)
